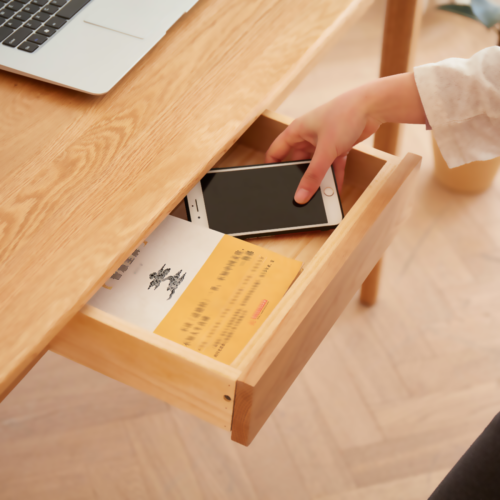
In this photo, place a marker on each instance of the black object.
(41, 17)
(5, 32)
(32, 25)
(31, 8)
(13, 23)
(15, 6)
(50, 9)
(33, 18)
(7, 14)
(46, 31)
(248, 199)
(38, 39)
(17, 37)
(73, 7)
(56, 22)
(22, 16)
(476, 476)
(28, 47)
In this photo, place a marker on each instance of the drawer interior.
(362, 167)
(363, 164)
(172, 372)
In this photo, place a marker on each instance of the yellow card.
(229, 299)
(205, 290)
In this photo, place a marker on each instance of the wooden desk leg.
(402, 25)
(369, 289)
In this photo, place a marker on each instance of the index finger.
(323, 157)
(282, 145)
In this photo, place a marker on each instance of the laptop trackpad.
(137, 19)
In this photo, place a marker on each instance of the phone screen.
(259, 199)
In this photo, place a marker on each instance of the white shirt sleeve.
(461, 98)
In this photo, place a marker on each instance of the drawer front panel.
(150, 363)
(319, 296)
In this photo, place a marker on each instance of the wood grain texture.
(170, 371)
(68, 432)
(316, 299)
(416, 487)
(135, 357)
(319, 462)
(402, 25)
(341, 405)
(264, 130)
(162, 460)
(214, 459)
(95, 175)
(372, 370)
(350, 14)
(21, 375)
(150, 363)
(369, 290)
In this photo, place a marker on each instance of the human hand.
(329, 132)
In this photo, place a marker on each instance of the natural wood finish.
(68, 432)
(250, 149)
(364, 164)
(170, 371)
(297, 326)
(402, 25)
(23, 374)
(95, 175)
(417, 487)
(369, 289)
(264, 130)
(333, 387)
(430, 413)
(150, 363)
(299, 421)
(352, 13)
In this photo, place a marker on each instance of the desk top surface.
(84, 179)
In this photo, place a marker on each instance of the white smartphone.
(257, 200)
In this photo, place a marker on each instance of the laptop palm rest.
(122, 16)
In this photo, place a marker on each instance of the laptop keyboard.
(29, 24)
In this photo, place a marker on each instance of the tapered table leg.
(402, 25)
(369, 290)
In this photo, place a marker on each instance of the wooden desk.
(85, 179)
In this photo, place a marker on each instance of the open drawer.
(241, 396)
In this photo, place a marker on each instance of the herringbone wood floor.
(393, 397)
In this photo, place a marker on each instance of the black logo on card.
(162, 275)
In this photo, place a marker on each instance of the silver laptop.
(86, 45)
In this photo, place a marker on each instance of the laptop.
(86, 45)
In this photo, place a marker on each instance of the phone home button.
(328, 191)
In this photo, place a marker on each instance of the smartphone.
(257, 200)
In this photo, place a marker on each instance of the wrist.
(394, 99)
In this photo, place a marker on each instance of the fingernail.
(302, 195)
